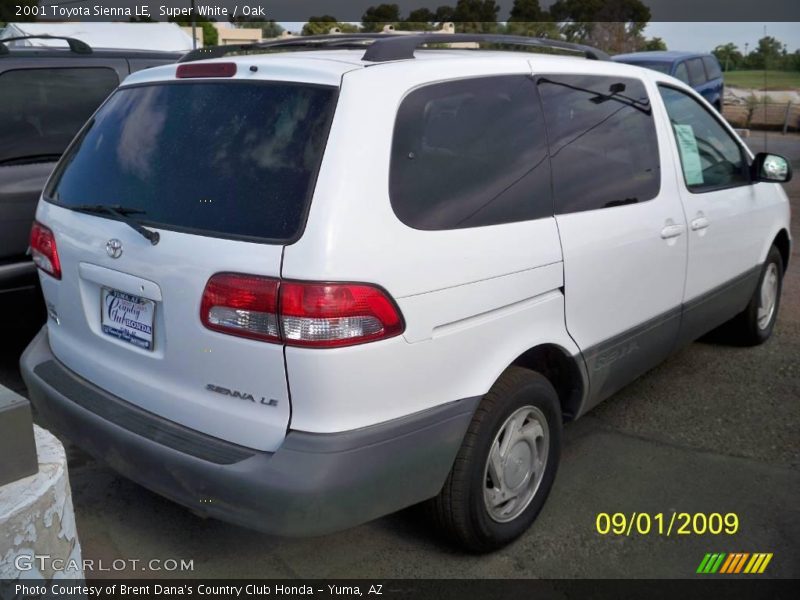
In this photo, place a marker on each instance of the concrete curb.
(37, 519)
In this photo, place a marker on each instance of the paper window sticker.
(690, 156)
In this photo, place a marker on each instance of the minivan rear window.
(227, 159)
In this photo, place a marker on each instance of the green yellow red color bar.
(734, 562)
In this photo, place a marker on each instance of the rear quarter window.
(470, 153)
(697, 73)
(42, 109)
(712, 67)
(227, 159)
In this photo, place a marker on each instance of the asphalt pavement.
(715, 429)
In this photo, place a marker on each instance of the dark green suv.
(46, 95)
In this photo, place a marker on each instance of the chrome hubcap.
(516, 464)
(768, 296)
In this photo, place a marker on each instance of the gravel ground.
(713, 429)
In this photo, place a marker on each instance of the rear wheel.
(755, 324)
(506, 465)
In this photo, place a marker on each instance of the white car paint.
(473, 300)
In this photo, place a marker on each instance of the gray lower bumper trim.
(137, 420)
(313, 484)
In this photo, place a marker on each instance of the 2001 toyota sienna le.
(301, 290)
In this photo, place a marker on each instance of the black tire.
(459, 511)
(745, 327)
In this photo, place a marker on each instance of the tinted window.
(682, 73)
(603, 145)
(710, 157)
(232, 159)
(712, 67)
(43, 109)
(697, 74)
(470, 153)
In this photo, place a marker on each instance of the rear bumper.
(313, 484)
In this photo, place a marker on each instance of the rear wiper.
(121, 213)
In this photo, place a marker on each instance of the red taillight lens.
(243, 305)
(206, 70)
(333, 314)
(44, 251)
(321, 315)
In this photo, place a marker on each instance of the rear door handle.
(699, 223)
(671, 231)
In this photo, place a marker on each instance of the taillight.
(44, 251)
(321, 315)
(243, 305)
(336, 314)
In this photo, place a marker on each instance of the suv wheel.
(506, 465)
(754, 325)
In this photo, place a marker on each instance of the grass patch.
(776, 80)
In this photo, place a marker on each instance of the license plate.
(128, 318)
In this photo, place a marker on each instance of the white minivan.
(298, 291)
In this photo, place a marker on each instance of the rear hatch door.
(223, 171)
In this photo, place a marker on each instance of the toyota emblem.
(114, 248)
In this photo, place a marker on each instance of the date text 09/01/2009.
(666, 524)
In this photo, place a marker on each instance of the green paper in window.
(690, 157)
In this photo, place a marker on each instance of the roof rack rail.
(383, 47)
(77, 46)
(399, 47)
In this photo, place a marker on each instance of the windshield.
(226, 158)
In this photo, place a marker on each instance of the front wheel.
(506, 465)
(755, 324)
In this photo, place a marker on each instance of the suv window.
(43, 109)
(228, 159)
(711, 158)
(697, 74)
(712, 67)
(682, 73)
(470, 153)
(603, 144)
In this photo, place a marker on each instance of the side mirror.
(771, 168)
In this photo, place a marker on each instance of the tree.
(728, 56)
(8, 11)
(476, 16)
(655, 43)
(526, 11)
(445, 14)
(421, 19)
(613, 25)
(528, 18)
(269, 29)
(768, 54)
(322, 25)
(376, 17)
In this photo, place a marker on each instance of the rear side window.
(225, 159)
(43, 109)
(603, 144)
(697, 74)
(470, 153)
(682, 73)
(712, 67)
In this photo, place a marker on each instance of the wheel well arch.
(564, 372)
(781, 241)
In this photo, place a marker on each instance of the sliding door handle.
(671, 231)
(699, 223)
